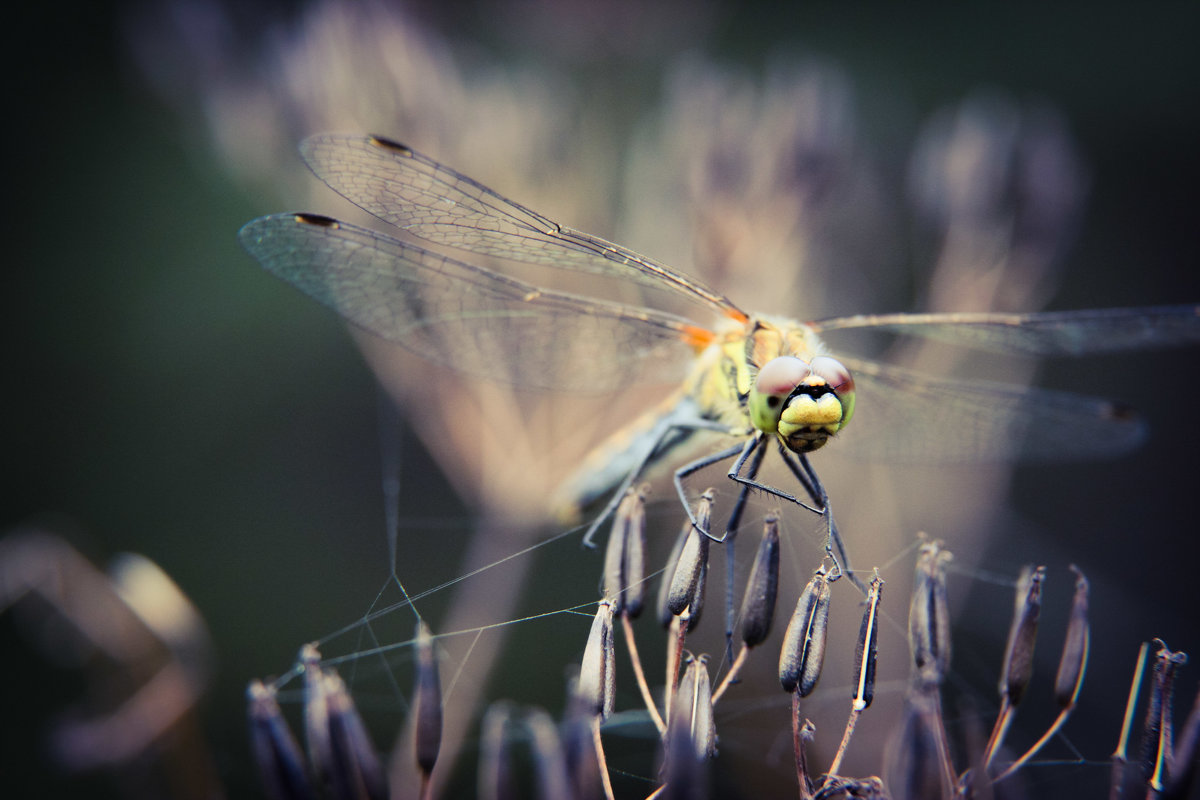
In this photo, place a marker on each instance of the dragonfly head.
(803, 402)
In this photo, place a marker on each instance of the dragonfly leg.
(611, 506)
(730, 536)
(834, 546)
(749, 480)
(699, 464)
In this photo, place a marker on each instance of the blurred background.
(167, 397)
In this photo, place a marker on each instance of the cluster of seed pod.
(686, 722)
(568, 757)
(342, 763)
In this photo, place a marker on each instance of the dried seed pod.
(579, 748)
(427, 706)
(693, 709)
(1187, 756)
(597, 673)
(696, 605)
(276, 752)
(758, 604)
(1073, 662)
(355, 768)
(624, 557)
(316, 715)
(1157, 731)
(685, 777)
(867, 647)
(928, 615)
(612, 583)
(836, 787)
(914, 754)
(1022, 636)
(804, 641)
(662, 606)
(635, 557)
(495, 779)
(686, 587)
(550, 763)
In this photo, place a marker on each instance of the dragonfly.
(757, 380)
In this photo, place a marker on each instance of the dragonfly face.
(804, 402)
(819, 403)
(784, 384)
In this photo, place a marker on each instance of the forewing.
(407, 189)
(464, 315)
(1067, 333)
(905, 416)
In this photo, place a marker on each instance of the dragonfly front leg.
(834, 546)
(749, 480)
(756, 450)
(686, 470)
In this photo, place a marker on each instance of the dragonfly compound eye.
(820, 406)
(839, 379)
(778, 379)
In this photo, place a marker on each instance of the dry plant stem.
(800, 733)
(1119, 756)
(731, 676)
(1036, 746)
(999, 731)
(865, 687)
(1155, 784)
(1164, 680)
(949, 777)
(675, 651)
(1053, 729)
(841, 751)
(1183, 773)
(600, 759)
(640, 675)
(426, 787)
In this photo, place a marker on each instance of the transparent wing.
(404, 188)
(905, 416)
(466, 316)
(1068, 333)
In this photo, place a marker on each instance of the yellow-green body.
(716, 397)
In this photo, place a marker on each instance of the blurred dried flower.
(427, 702)
(1073, 663)
(280, 763)
(929, 615)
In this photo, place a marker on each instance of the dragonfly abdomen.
(652, 440)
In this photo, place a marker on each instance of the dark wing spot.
(316, 219)
(1122, 412)
(389, 144)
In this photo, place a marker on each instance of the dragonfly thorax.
(804, 403)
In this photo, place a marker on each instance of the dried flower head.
(758, 604)
(803, 648)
